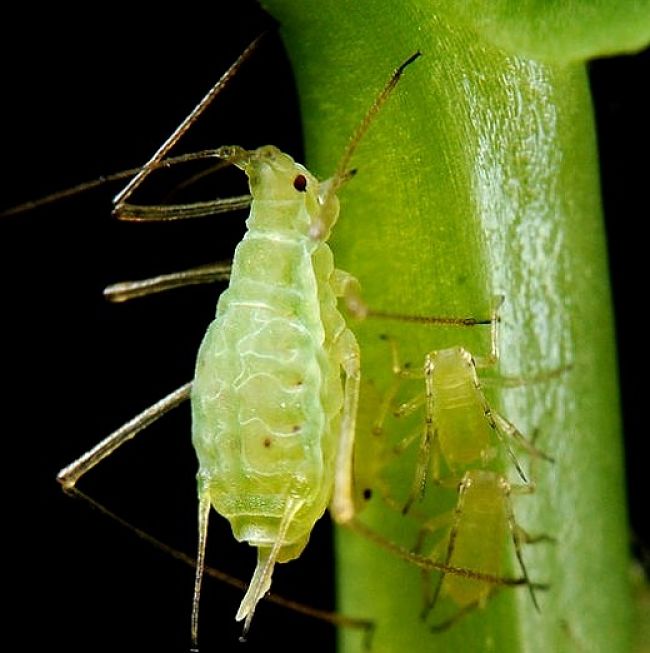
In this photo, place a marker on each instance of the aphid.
(273, 424)
(480, 525)
(458, 420)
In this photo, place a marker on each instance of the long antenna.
(185, 125)
(341, 171)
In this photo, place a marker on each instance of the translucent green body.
(267, 394)
(480, 536)
(458, 407)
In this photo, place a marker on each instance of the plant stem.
(478, 177)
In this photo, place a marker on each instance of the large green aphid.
(276, 388)
(273, 426)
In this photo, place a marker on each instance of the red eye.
(300, 183)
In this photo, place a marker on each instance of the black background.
(79, 102)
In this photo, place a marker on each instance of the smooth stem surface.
(479, 177)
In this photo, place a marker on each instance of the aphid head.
(275, 177)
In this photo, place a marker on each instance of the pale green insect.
(273, 421)
(477, 534)
(273, 427)
(459, 423)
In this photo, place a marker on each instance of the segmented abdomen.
(462, 426)
(259, 425)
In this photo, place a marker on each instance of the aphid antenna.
(78, 189)
(191, 118)
(341, 173)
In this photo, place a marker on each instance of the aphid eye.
(300, 183)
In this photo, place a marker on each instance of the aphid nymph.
(459, 423)
(479, 526)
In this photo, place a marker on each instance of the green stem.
(479, 177)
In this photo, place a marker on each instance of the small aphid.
(459, 423)
(481, 523)
(273, 422)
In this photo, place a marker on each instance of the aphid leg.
(425, 562)
(348, 288)
(523, 535)
(429, 441)
(507, 427)
(175, 212)
(435, 553)
(385, 405)
(502, 427)
(266, 559)
(431, 525)
(463, 612)
(69, 475)
(483, 362)
(203, 519)
(334, 618)
(243, 201)
(453, 533)
(409, 407)
(126, 290)
(492, 421)
(401, 372)
(517, 540)
(343, 498)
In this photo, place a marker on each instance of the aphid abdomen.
(480, 538)
(260, 430)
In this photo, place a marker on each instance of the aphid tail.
(260, 585)
(266, 559)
